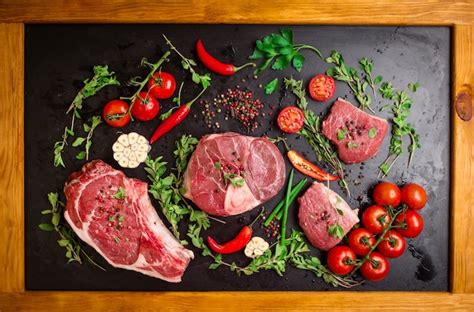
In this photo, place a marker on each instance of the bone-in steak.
(114, 215)
(320, 208)
(229, 173)
(356, 134)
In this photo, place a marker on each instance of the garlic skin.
(256, 247)
(130, 150)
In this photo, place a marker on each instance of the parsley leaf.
(271, 86)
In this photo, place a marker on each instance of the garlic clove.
(123, 139)
(123, 162)
(118, 156)
(133, 137)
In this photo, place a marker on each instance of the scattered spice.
(240, 105)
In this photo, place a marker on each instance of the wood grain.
(237, 301)
(11, 158)
(462, 197)
(401, 12)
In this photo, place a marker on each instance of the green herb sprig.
(280, 50)
(367, 66)
(400, 109)
(67, 237)
(189, 64)
(313, 134)
(342, 72)
(102, 78)
(167, 188)
(89, 129)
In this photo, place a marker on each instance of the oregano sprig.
(102, 78)
(89, 129)
(401, 128)
(67, 237)
(342, 72)
(367, 66)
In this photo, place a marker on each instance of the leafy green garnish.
(166, 188)
(387, 91)
(401, 128)
(352, 145)
(271, 86)
(120, 194)
(67, 237)
(413, 87)
(312, 132)
(235, 180)
(342, 72)
(280, 50)
(336, 231)
(341, 135)
(96, 120)
(367, 66)
(189, 64)
(102, 78)
(372, 133)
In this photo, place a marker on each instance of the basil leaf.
(298, 61)
(271, 86)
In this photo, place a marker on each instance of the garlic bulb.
(130, 150)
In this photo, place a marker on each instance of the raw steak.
(318, 211)
(125, 229)
(356, 134)
(229, 173)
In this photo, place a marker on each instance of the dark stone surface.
(59, 57)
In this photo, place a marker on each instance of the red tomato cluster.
(380, 232)
(145, 107)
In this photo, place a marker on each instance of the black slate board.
(59, 57)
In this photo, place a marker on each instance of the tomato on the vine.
(161, 85)
(376, 268)
(145, 107)
(116, 114)
(375, 219)
(410, 222)
(361, 241)
(386, 193)
(393, 244)
(322, 87)
(341, 260)
(290, 119)
(414, 196)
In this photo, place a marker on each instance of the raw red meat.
(318, 211)
(356, 134)
(255, 165)
(125, 230)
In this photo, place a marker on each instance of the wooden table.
(459, 15)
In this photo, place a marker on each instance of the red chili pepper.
(237, 243)
(215, 65)
(174, 119)
(309, 169)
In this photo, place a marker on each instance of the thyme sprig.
(68, 238)
(102, 78)
(313, 135)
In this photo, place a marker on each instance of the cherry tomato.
(393, 245)
(361, 240)
(290, 119)
(145, 107)
(322, 87)
(375, 219)
(411, 223)
(162, 85)
(116, 114)
(341, 260)
(414, 196)
(375, 269)
(386, 193)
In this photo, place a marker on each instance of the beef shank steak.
(319, 209)
(230, 173)
(114, 215)
(356, 134)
